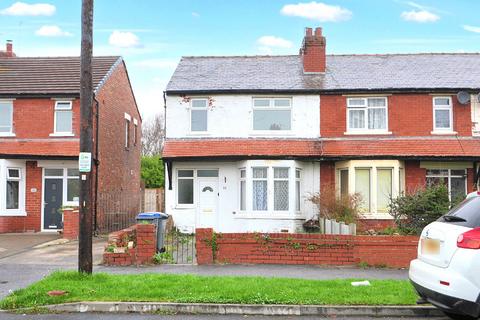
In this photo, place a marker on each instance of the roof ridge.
(407, 54)
(245, 56)
(57, 57)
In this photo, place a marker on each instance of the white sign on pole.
(85, 162)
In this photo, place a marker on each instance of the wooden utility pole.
(86, 141)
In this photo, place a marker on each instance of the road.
(90, 316)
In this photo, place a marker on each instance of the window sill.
(7, 134)
(444, 133)
(365, 133)
(13, 213)
(58, 134)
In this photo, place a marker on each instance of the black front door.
(52, 217)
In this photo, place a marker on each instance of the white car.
(447, 270)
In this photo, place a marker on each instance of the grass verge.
(199, 289)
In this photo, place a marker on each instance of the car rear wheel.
(456, 316)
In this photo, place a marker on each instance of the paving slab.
(15, 243)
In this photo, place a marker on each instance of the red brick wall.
(327, 175)
(33, 204)
(317, 249)
(313, 51)
(119, 169)
(70, 223)
(34, 118)
(408, 115)
(145, 245)
(415, 177)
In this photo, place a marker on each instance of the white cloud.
(157, 63)
(272, 41)
(125, 39)
(471, 28)
(195, 14)
(317, 11)
(52, 31)
(25, 9)
(421, 16)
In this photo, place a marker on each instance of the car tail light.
(469, 239)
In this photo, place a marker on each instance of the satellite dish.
(463, 97)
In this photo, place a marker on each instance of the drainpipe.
(96, 162)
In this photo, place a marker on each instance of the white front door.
(207, 203)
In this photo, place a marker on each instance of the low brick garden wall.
(135, 245)
(70, 223)
(316, 249)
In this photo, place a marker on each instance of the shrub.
(341, 208)
(163, 257)
(412, 212)
(152, 171)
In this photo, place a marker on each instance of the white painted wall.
(228, 218)
(232, 116)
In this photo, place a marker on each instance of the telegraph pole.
(86, 141)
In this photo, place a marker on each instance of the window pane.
(437, 172)
(280, 173)
(6, 116)
(343, 183)
(442, 119)
(201, 103)
(432, 181)
(467, 210)
(63, 121)
(271, 119)
(297, 174)
(243, 173)
(259, 173)
(185, 173)
(362, 186)
(63, 106)
(458, 190)
(199, 120)
(458, 173)
(13, 173)
(243, 197)
(356, 102)
(259, 195)
(73, 190)
(442, 101)
(72, 172)
(261, 103)
(13, 189)
(280, 196)
(282, 102)
(185, 191)
(384, 189)
(377, 118)
(401, 179)
(356, 119)
(376, 102)
(297, 195)
(54, 172)
(207, 173)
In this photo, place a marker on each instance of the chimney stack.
(313, 51)
(9, 49)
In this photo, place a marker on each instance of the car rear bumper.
(448, 303)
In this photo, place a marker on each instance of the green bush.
(412, 212)
(152, 171)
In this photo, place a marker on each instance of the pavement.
(15, 243)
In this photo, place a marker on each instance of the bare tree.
(153, 135)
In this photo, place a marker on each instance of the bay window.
(298, 179)
(368, 115)
(280, 189)
(259, 186)
(272, 114)
(442, 114)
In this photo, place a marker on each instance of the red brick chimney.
(313, 51)
(9, 50)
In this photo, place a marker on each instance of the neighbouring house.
(39, 142)
(250, 138)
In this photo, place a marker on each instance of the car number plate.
(430, 246)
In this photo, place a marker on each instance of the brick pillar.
(203, 245)
(70, 223)
(146, 243)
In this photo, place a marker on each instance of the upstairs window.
(63, 117)
(270, 114)
(367, 114)
(135, 131)
(199, 115)
(6, 117)
(442, 114)
(128, 118)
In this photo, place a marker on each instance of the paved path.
(14, 243)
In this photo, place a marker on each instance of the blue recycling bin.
(160, 220)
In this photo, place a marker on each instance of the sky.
(152, 35)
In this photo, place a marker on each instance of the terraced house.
(250, 138)
(39, 141)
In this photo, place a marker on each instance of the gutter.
(96, 162)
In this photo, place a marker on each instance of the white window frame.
(65, 177)
(298, 190)
(288, 179)
(127, 134)
(9, 133)
(365, 109)
(135, 132)
(268, 179)
(271, 107)
(242, 180)
(4, 177)
(177, 178)
(199, 109)
(449, 177)
(59, 109)
(449, 108)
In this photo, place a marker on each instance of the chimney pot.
(313, 51)
(318, 32)
(308, 32)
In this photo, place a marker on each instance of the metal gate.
(177, 248)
